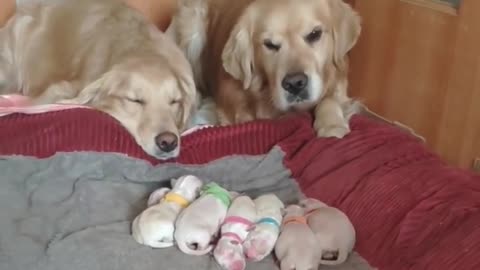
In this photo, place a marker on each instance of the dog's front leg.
(232, 102)
(5, 78)
(57, 91)
(330, 120)
(8, 80)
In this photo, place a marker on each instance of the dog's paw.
(336, 131)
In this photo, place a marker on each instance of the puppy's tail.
(197, 245)
(336, 257)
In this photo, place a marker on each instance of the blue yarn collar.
(269, 220)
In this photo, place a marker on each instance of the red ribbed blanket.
(410, 210)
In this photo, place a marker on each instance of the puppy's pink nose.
(238, 265)
(166, 141)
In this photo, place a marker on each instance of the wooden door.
(418, 62)
(7, 7)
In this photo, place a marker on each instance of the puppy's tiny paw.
(337, 131)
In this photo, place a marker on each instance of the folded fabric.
(22, 104)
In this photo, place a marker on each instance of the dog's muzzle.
(296, 85)
(167, 145)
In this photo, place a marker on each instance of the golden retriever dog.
(263, 58)
(105, 55)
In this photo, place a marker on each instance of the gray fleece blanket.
(74, 210)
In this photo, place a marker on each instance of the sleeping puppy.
(197, 225)
(157, 196)
(295, 248)
(240, 218)
(263, 58)
(154, 227)
(261, 240)
(334, 231)
(105, 55)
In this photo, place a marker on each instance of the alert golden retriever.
(263, 58)
(105, 55)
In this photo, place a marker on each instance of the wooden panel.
(420, 66)
(446, 6)
(460, 123)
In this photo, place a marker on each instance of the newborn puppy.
(334, 232)
(157, 196)
(154, 227)
(295, 248)
(196, 225)
(240, 218)
(261, 240)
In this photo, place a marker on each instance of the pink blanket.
(21, 104)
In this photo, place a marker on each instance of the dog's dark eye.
(136, 100)
(175, 102)
(271, 46)
(314, 36)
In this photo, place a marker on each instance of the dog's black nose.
(294, 83)
(166, 141)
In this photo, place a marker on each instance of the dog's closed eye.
(314, 36)
(271, 46)
(136, 100)
(175, 102)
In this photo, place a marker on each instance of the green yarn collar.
(218, 192)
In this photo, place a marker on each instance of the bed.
(71, 182)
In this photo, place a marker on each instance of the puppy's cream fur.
(295, 247)
(261, 240)
(101, 54)
(229, 251)
(157, 196)
(155, 226)
(199, 223)
(242, 50)
(334, 231)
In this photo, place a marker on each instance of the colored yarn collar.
(175, 198)
(269, 220)
(295, 219)
(237, 219)
(218, 192)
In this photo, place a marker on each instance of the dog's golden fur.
(103, 54)
(242, 50)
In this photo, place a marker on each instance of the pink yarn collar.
(237, 219)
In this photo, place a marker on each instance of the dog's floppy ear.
(346, 29)
(190, 99)
(173, 182)
(94, 90)
(238, 53)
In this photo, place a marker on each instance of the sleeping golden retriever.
(105, 55)
(262, 58)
